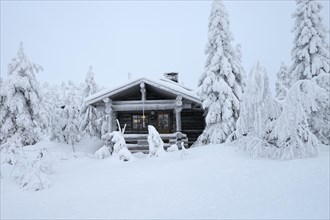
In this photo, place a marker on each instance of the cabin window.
(163, 122)
(138, 122)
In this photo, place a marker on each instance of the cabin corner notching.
(163, 103)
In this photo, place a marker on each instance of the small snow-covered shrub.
(107, 141)
(120, 150)
(172, 148)
(31, 169)
(156, 144)
(103, 152)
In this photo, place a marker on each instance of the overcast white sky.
(145, 38)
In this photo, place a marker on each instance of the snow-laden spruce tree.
(25, 118)
(283, 82)
(257, 114)
(310, 56)
(221, 85)
(292, 131)
(310, 53)
(70, 129)
(3, 110)
(89, 115)
(57, 125)
(156, 144)
(51, 99)
(320, 120)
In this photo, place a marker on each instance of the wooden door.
(163, 123)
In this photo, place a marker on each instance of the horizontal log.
(148, 105)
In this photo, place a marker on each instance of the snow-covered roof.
(162, 84)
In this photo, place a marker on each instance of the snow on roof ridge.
(175, 83)
(163, 82)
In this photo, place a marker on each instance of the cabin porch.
(139, 142)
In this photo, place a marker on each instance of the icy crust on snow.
(210, 182)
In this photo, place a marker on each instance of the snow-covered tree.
(310, 56)
(320, 120)
(3, 110)
(292, 132)
(90, 84)
(26, 118)
(310, 53)
(57, 125)
(51, 100)
(31, 169)
(221, 85)
(283, 82)
(89, 114)
(258, 108)
(156, 144)
(102, 121)
(120, 150)
(70, 129)
(258, 112)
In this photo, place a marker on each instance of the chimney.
(172, 76)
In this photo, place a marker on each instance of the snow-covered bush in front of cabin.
(120, 150)
(156, 144)
(172, 148)
(103, 153)
(294, 138)
(106, 150)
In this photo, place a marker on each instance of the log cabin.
(174, 110)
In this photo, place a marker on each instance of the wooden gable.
(134, 93)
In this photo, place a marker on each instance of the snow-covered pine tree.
(283, 82)
(310, 56)
(26, 117)
(51, 100)
(89, 125)
(3, 110)
(258, 108)
(257, 114)
(310, 53)
(70, 129)
(291, 130)
(221, 84)
(320, 120)
(57, 124)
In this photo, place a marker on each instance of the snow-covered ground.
(213, 181)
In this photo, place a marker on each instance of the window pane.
(138, 122)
